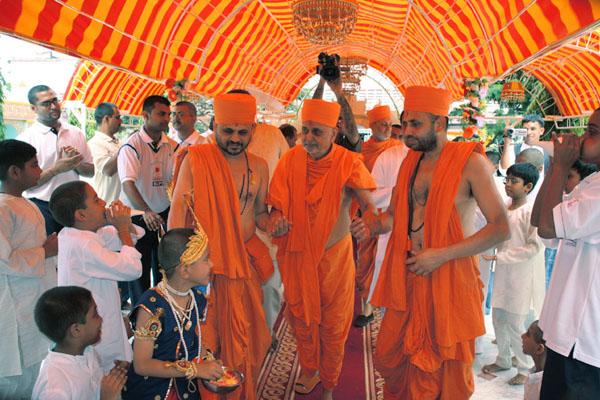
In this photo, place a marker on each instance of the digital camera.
(329, 66)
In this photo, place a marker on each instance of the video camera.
(517, 134)
(329, 66)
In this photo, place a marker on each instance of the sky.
(25, 64)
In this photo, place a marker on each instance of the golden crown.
(198, 243)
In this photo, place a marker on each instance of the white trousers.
(508, 328)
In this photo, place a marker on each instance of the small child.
(96, 256)
(578, 172)
(168, 338)
(27, 269)
(68, 316)
(534, 346)
(519, 274)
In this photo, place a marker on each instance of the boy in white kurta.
(95, 251)
(69, 317)
(27, 269)
(519, 274)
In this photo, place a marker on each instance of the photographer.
(534, 127)
(329, 71)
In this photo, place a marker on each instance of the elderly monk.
(380, 122)
(312, 188)
(227, 187)
(429, 280)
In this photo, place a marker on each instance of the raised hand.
(112, 384)
(119, 215)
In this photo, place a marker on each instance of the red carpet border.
(358, 379)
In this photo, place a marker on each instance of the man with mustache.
(312, 188)
(429, 279)
(226, 187)
(62, 151)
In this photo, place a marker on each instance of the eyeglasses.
(48, 103)
(512, 180)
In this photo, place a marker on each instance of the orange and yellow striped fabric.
(572, 74)
(221, 44)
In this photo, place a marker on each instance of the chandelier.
(352, 69)
(513, 92)
(324, 22)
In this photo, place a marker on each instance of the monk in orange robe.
(429, 280)
(227, 188)
(312, 189)
(380, 122)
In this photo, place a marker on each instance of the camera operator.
(534, 124)
(347, 135)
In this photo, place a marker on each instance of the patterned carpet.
(358, 379)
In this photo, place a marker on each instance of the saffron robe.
(365, 265)
(236, 327)
(425, 346)
(318, 281)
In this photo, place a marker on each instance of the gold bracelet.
(185, 366)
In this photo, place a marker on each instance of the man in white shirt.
(570, 319)
(268, 143)
(62, 151)
(145, 167)
(535, 129)
(184, 116)
(105, 148)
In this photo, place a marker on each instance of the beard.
(425, 144)
(231, 148)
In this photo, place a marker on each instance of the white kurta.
(66, 377)
(25, 274)
(519, 278)
(90, 259)
(385, 173)
(571, 314)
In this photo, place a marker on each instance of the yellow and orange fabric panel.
(221, 44)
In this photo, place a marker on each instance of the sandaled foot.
(518, 379)
(306, 384)
(493, 368)
(363, 320)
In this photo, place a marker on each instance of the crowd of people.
(202, 237)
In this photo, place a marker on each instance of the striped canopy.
(221, 44)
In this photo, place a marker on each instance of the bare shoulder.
(258, 164)
(476, 167)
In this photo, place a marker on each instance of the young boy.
(519, 274)
(69, 317)
(168, 336)
(578, 172)
(96, 256)
(27, 269)
(534, 346)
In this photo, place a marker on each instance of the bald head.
(532, 156)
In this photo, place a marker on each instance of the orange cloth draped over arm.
(260, 258)
(236, 324)
(365, 265)
(309, 194)
(437, 316)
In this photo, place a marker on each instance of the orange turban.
(427, 99)
(378, 113)
(235, 108)
(320, 111)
